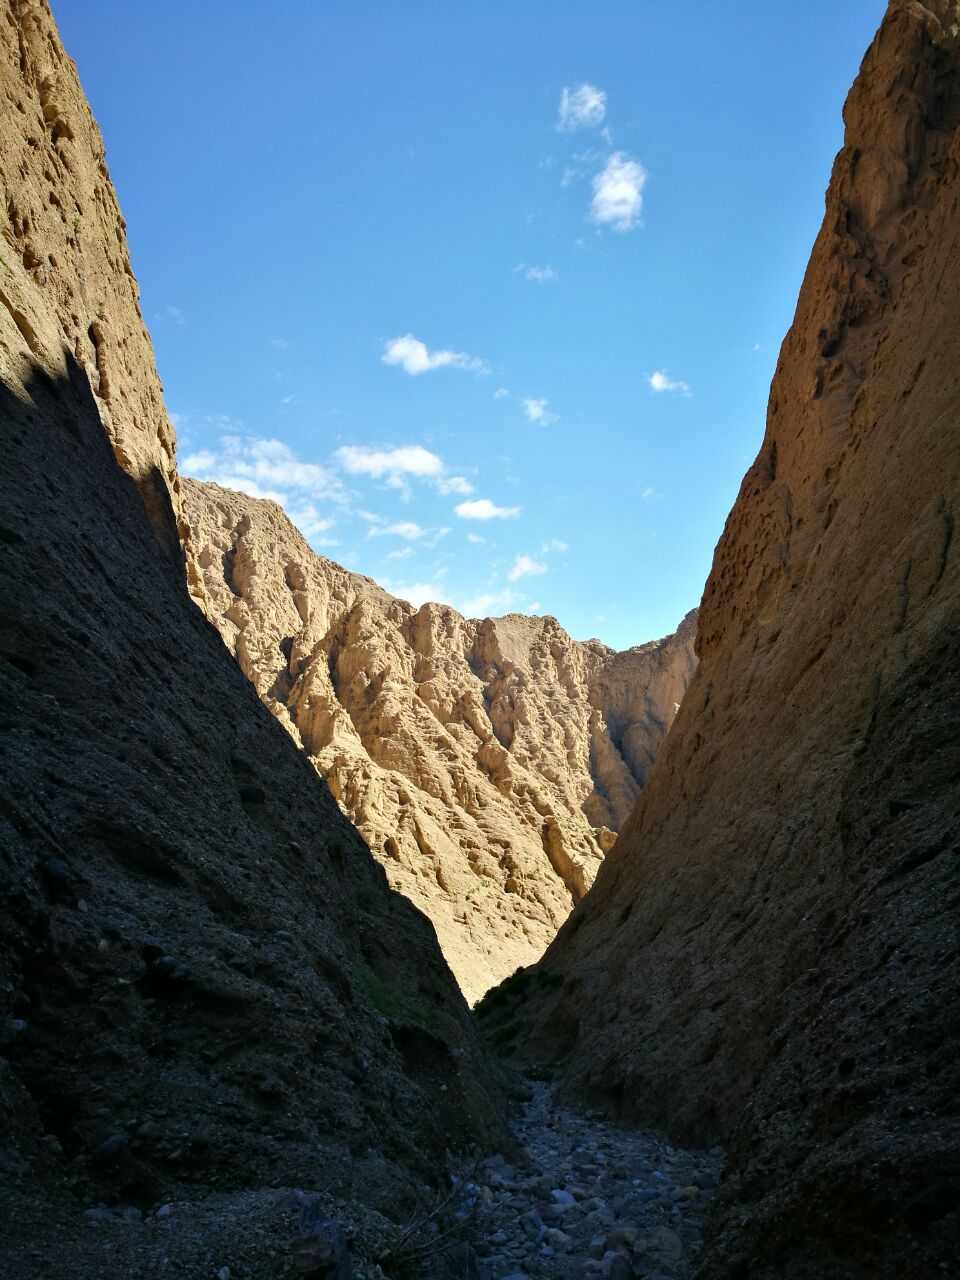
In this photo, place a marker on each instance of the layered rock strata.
(769, 955)
(488, 763)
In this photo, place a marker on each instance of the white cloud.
(525, 567)
(410, 459)
(537, 411)
(481, 605)
(414, 357)
(403, 554)
(403, 529)
(418, 593)
(659, 381)
(618, 193)
(270, 469)
(263, 465)
(484, 509)
(476, 539)
(312, 524)
(540, 275)
(500, 393)
(454, 484)
(532, 607)
(554, 544)
(582, 107)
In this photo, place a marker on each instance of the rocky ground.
(588, 1199)
(577, 1198)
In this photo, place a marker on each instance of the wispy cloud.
(454, 484)
(537, 411)
(618, 193)
(540, 275)
(402, 529)
(554, 544)
(525, 567)
(270, 469)
(248, 463)
(418, 593)
(500, 393)
(484, 509)
(403, 553)
(390, 464)
(476, 539)
(414, 357)
(582, 107)
(661, 381)
(488, 602)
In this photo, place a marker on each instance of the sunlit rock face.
(488, 763)
(769, 953)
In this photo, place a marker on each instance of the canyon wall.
(488, 763)
(205, 982)
(769, 955)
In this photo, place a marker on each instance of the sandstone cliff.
(487, 763)
(205, 982)
(769, 954)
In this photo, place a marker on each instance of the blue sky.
(489, 295)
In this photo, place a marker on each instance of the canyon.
(232, 1023)
(487, 763)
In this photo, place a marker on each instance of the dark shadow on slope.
(178, 887)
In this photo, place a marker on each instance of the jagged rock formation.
(770, 953)
(205, 982)
(488, 763)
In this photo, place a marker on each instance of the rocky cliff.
(205, 982)
(487, 763)
(769, 956)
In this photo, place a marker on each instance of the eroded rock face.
(769, 954)
(205, 982)
(65, 243)
(487, 763)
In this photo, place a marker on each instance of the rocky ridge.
(770, 952)
(206, 985)
(488, 763)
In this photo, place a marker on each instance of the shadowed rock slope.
(770, 954)
(487, 763)
(205, 982)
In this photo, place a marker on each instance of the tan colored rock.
(488, 763)
(65, 275)
(769, 955)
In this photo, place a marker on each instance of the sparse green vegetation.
(393, 1004)
(501, 1009)
(365, 898)
(483, 883)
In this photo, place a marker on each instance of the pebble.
(589, 1201)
